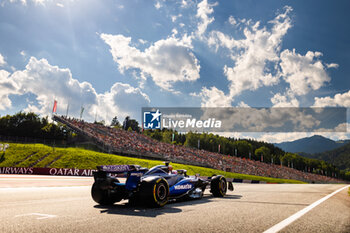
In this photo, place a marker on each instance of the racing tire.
(218, 186)
(154, 193)
(103, 196)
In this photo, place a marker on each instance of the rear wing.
(133, 174)
(120, 168)
(116, 168)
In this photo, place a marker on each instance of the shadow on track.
(124, 208)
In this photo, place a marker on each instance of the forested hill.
(340, 157)
(310, 145)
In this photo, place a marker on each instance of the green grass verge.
(86, 159)
(349, 192)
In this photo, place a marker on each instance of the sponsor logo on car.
(136, 174)
(185, 186)
(115, 168)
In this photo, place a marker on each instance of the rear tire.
(218, 186)
(154, 193)
(102, 195)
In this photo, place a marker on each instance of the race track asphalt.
(64, 204)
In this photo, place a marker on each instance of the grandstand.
(118, 141)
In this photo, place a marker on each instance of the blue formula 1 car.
(153, 187)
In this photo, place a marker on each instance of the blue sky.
(114, 57)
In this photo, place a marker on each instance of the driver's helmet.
(171, 171)
(170, 168)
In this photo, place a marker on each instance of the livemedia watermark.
(234, 119)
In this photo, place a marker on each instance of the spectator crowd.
(130, 142)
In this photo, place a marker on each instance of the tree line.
(32, 126)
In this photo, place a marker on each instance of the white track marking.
(41, 216)
(289, 220)
(40, 188)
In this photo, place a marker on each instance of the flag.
(219, 148)
(199, 143)
(54, 106)
(173, 137)
(81, 112)
(67, 110)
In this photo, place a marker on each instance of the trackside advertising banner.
(47, 171)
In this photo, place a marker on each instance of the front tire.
(218, 186)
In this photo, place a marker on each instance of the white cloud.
(143, 41)
(36, 2)
(122, 100)
(243, 105)
(256, 56)
(184, 4)
(258, 51)
(42, 2)
(303, 73)
(286, 100)
(204, 9)
(232, 20)
(2, 60)
(339, 100)
(219, 39)
(166, 61)
(49, 82)
(213, 97)
(23, 2)
(174, 32)
(175, 17)
(60, 5)
(332, 65)
(7, 87)
(23, 53)
(259, 62)
(157, 5)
